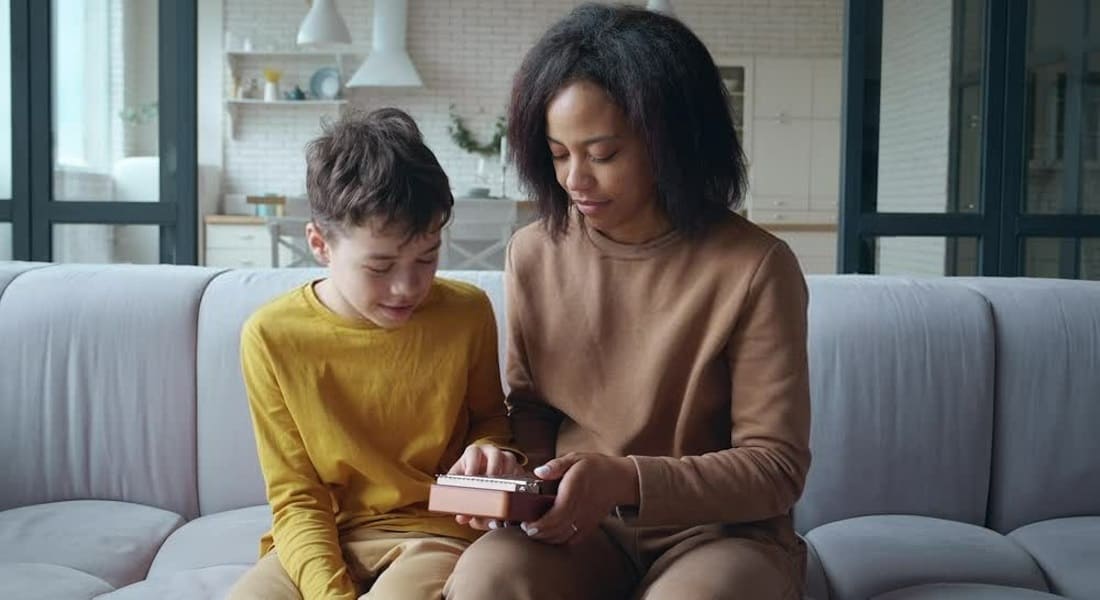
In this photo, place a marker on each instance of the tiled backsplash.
(466, 52)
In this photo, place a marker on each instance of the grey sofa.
(954, 435)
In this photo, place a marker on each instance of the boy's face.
(376, 272)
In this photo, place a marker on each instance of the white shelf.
(303, 52)
(287, 102)
(235, 57)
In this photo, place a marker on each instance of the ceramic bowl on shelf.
(325, 84)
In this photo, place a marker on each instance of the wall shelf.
(236, 57)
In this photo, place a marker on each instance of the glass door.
(108, 97)
(972, 138)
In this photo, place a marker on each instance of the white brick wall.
(466, 52)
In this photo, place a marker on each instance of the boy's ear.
(318, 245)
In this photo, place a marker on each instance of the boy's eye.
(427, 260)
(380, 270)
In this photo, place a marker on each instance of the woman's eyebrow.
(589, 141)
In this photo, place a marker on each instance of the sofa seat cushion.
(113, 541)
(965, 591)
(38, 581)
(817, 588)
(866, 556)
(210, 583)
(227, 538)
(1068, 551)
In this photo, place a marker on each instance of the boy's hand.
(481, 459)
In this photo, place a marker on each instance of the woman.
(657, 340)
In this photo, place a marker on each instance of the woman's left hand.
(591, 486)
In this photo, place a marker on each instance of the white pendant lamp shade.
(323, 25)
(661, 6)
(388, 64)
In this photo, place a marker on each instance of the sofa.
(956, 451)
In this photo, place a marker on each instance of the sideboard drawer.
(238, 236)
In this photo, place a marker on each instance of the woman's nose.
(579, 178)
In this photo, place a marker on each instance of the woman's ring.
(574, 526)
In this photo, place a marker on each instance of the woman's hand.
(483, 459)
(591, 486)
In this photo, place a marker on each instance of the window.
(81, 75)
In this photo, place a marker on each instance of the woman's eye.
(557, 157)
(603, 159)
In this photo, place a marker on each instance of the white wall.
(466, 52)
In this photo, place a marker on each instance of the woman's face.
(603, 164)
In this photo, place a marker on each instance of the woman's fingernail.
(542, 471)
(493, 524)
(532, 532)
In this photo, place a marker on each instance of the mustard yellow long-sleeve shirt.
(353, 421)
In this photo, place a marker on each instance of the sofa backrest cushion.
(228, 469)
(11, 269)
(901, 376)
(1046, 450)
(98, 385)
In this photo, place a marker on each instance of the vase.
(271, 91)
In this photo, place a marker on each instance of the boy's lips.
(398, 311)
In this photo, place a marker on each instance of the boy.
(365, 384)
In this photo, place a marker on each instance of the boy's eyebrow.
(394, 256)
(591, 140)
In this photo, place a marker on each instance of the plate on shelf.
(325, 84)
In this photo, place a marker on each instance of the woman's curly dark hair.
(664, 80)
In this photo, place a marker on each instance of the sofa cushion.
(38, 581)
(817, 587)
(1068, 552)
(98, 385)
(1048, 347)
(10, 270)
(901, 376)
(228, 470)
(113, 541)
(226, 538)
(210, 583)
(965, 591)
(867, 556)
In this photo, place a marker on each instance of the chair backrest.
(478, 234)
(289, 247)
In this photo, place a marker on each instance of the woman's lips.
(591, 207)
